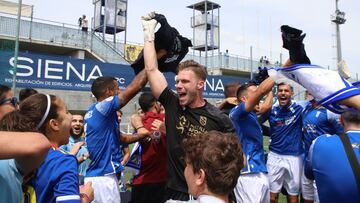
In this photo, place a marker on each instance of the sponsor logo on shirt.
(203, 120)
(187, 129)
(88, 114)
(310, 128)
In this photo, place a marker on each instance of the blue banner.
(66, 73)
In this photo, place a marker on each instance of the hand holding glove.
(293, 41)
(262, 75)
(149, 24)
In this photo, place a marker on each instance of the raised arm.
(264, 88)
(28, 148)
(156, 79)
(133, 88)
(266, 106)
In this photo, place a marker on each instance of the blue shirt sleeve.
(67, 188)
(108, 105)
(238, 111)
(308, 162)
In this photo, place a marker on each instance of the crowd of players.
(191, 151)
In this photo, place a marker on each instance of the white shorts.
(284, 170)
(252, 188)
(106, 188)
(308, 189)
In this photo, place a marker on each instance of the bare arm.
(260, 92)
(136, 122)
(131, 138)
(134, 87)
(158, 125)
(266, 106)
(126, 157)
(86, 192)
(353, 102)
(156, 79)
(28, 148)
(230, 100)
(76, 147)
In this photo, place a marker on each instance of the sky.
(243, 23)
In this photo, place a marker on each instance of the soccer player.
(253, 184)
(316, 121)
(186, 113)
(103, 136)
(328, 163)
(284, 162)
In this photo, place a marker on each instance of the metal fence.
(60, 34)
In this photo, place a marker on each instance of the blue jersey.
(10, 181)
(83, 150)
(56, 180)
(249, 132)
(328, 164)
(102, 138)
(318, 121)
(285, 127)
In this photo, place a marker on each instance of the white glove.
(149, 24)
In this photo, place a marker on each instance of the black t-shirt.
(182, 122)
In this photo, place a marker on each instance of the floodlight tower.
(338, 18)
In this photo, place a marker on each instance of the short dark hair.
(242, 90)
(283, 83)
(351, 116)
(220, 155)
(3, 90)
(146, 101)
(101, 85)
(231, 88)
(25, 93)
(194, 66)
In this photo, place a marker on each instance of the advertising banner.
(66, 73)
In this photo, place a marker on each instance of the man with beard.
(284, 162)
(186, 113)
(149, 184)
(76, 145)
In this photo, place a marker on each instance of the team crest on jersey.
(203, 120)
